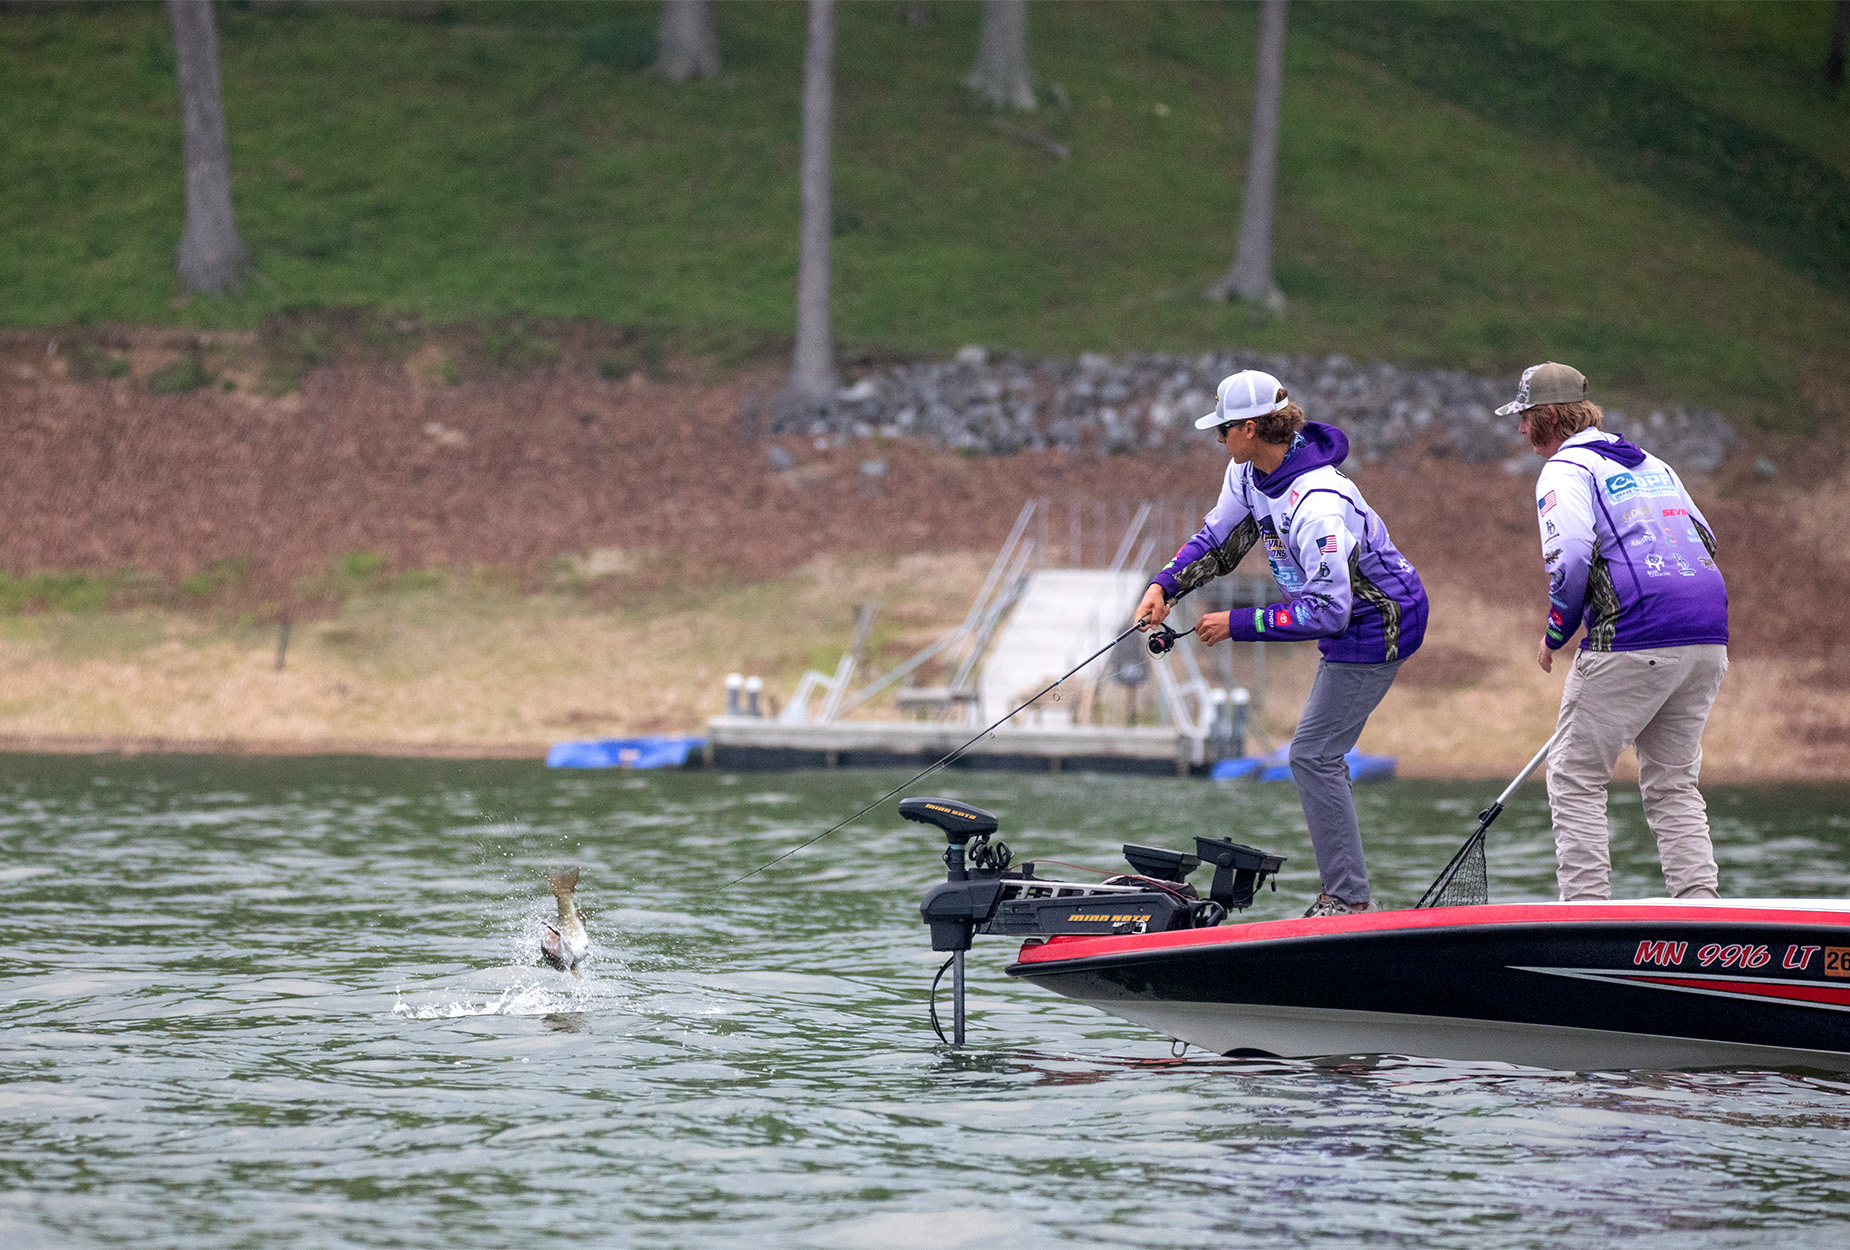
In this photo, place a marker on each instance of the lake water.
(288, 1003)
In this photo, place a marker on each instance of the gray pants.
(1340, 701)
(1657, 701)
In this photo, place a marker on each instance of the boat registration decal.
(1837, 961)
(1663, 954)
(1733, 955)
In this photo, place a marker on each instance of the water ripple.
(300, 1004)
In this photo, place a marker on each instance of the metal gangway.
(1026, 626)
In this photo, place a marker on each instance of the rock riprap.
(993, 404)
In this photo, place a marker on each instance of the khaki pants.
(1658, 701)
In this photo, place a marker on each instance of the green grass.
(1791, 202)
(508, 162)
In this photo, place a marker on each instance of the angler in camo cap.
(1630, 557)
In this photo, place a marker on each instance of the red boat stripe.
(1838, 996)
(1082, 947)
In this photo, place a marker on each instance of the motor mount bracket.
(1239, 870)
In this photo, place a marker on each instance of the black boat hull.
(1656, 984)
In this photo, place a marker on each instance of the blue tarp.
(654, 751)
(1277, 767)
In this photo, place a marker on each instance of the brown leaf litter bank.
(638, 502)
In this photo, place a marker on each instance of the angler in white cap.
(1345, 584)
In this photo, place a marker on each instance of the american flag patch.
(1546, 502)
(1328, 545)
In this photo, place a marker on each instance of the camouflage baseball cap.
(1547, 384)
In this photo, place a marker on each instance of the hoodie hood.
(1316, 445)
(1616, 449)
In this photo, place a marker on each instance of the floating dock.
(748, 743)
(1027, 627)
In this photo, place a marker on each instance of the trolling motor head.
(968, 895)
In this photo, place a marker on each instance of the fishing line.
(1169, 635)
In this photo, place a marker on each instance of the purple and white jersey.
(1626, 549)
(1347, 585)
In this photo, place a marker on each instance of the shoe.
(1330, 905)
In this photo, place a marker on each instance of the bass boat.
(1649, 983)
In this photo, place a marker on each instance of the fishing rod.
(1162, 639)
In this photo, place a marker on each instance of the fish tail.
(563, 881)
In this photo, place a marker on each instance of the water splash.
(517, 1000)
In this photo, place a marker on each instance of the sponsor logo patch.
(1637, 482)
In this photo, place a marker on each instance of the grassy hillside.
(508, 158)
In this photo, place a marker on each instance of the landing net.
(1465, 882)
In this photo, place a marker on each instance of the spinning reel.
(1163, 639)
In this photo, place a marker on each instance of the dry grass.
(1821, 517)
(471, 669)
(467, 667)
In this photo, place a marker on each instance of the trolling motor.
(981, 894)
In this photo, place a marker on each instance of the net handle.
(1476, 840)
(1523, 775)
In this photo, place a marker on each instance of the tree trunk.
(812, 377)
(1834, 57)
(686, 42)
(1001, 75)
(1250, 278)
(211, 257)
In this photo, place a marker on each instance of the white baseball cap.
(1244, 395)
